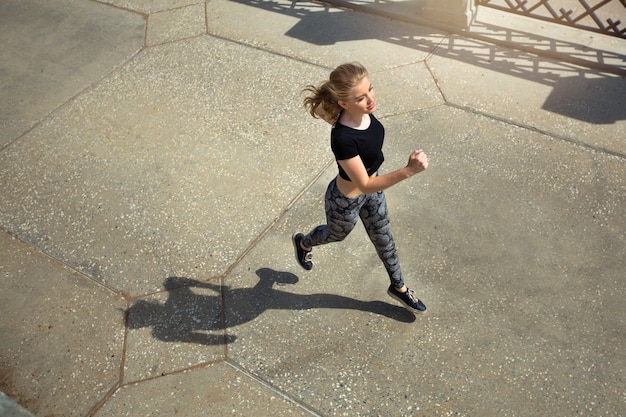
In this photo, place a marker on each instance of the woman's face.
(361, 99)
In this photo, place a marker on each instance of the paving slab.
(62, 333)
(172, 25)
(148, 7)
(565, 100)
(140, 178)
(213, 390)
(323, 35)
(52, 49)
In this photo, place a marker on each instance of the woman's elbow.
(368, 187)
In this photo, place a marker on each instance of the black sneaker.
(302, 256)
(408, 299)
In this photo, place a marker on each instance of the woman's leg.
(375, 217)
(342, 214)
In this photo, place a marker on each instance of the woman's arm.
(418, 162)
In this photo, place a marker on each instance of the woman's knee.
(338, 233)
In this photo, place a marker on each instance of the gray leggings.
(342, 214)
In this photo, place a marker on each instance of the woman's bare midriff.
(348, 188)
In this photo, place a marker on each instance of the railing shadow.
(317, 25)
(189, 317)
(480, 47)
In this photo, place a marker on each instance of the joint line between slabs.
(273, 389)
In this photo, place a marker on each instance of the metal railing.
(605, 16)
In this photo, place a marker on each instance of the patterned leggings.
(342, 214)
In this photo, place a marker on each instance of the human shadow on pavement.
(246, 304)
(198, 318)
(184, 317)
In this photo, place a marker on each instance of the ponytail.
(323, 100)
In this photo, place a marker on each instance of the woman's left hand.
(418, 161)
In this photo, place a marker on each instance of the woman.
(346, 101)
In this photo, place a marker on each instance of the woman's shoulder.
(342, 136)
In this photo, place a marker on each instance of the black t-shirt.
(347, 143)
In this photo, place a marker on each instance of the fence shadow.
(482, 47)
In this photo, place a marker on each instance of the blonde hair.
(323, 100)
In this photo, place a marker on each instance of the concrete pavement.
(155, 160)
